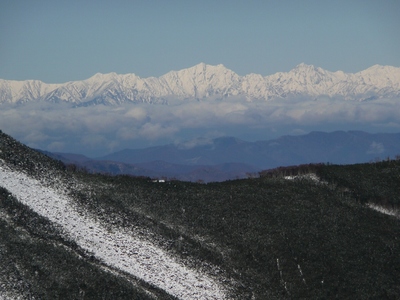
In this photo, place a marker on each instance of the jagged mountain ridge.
(209, 82)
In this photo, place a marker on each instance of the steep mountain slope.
(311, 237)
(47, 191)
(209, 82)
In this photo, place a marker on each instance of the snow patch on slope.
(122, 250)
(386, 211)
(310, 176)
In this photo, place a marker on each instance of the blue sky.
(58, 41)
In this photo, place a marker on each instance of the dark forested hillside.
(305, 232)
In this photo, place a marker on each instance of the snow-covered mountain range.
(204, 81)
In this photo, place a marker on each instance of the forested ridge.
(301, 232)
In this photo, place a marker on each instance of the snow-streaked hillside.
(66, 233)
(209, 82)
(119, 249)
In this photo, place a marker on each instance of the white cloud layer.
(100, 129)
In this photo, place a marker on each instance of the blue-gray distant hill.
(229, 158)
(335, 147)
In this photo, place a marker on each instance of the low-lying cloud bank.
(97, 130)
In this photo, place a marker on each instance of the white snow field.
(386, 211)
(208, 81)
(121, 250)
(309, 176)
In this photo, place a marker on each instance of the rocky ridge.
(208, 82)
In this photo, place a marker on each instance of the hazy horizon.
(62, 41)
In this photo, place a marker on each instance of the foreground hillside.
(303, 232)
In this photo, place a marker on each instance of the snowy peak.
(302, 67)
(381, 76)
(209, 82)
(309, 71)
(305, 79)
(201, 81)
(101, 77)
(24, 91)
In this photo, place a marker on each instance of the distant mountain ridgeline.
(230, 158)
(204, 81)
